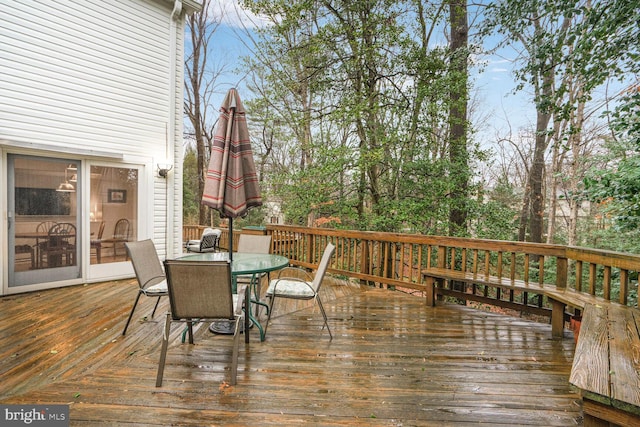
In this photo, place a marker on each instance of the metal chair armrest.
(147, 283)
(296, 269)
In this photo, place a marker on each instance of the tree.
(458, 154)
(617, 188)
(190, 199)
(567, 53)
(200, 80)
(614, 52)
(542, 35)
(372, 129)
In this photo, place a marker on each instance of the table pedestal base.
(225, 327)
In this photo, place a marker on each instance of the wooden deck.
(392, 362)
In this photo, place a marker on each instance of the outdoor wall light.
(163, 169)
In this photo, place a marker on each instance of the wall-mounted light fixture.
(163, 169)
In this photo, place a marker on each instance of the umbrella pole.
(230, 239)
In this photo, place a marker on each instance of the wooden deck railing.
(399, 260)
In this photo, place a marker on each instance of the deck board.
(393, 361)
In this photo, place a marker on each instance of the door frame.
(88, 273)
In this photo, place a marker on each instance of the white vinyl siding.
(86, 73)
(175, 192)
(95, 78)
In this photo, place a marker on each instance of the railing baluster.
(606, 282)
(624, 286)
(578, 276)
(475, 262)
(392, 259)
(487, 264)
(562, 271)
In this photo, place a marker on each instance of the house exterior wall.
(100, 80)
(86, 74)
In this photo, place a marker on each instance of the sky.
(502, 111)
(493, 86)
(228, 36)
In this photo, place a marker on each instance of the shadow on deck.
(393, 362)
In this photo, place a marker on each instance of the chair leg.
(163, 351)
(155, 307)
(124, 332)
(256, 282)
(271, 299)
(190, 328)
(325, 317)
(234, 356)
(256, 293)
(247, 313)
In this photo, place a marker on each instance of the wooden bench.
(559, 298)
(606, 365)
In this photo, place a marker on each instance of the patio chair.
(97, 243)
(254, 244)
(201, 291)
(61, 246)
(29, 251)
(149, 273)
(297, 288)
(209, 241)
(121, 234)
(42, 240)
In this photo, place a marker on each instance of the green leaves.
(617, 188)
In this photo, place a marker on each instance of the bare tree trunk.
(556, 165)
(199, 84)
(555, 177)
(458, 154)
(575, 172)
(524, 213)
(536, 214)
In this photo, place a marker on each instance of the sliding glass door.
(113, 212)
(68, 220)
(43, 218)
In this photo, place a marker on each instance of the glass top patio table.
(242, 264)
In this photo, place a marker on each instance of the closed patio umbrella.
(231, 185)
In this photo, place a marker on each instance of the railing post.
(562, 269)
(441, 262)
(310, 249)
(442, 256)
(364, 259)
(557, 318)
(624, 287)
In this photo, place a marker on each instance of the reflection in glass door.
(113, 212)
(43, 218)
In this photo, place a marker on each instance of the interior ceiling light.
(66, 186)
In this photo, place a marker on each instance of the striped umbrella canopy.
(231, 184)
